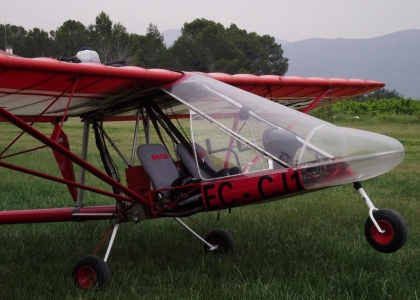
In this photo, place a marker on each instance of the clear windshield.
(252, 133)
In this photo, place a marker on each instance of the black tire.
(395, 231)
(91, 272)
(223, 239)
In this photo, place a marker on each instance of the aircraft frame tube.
(56, 215)
(85, 141)
(76, 159)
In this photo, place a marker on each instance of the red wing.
(29, 86)
(299, 92)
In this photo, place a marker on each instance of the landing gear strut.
(217, 241)
(385, 229)
(222, 239)
(92, 271)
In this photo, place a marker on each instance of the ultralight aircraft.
(219, 141)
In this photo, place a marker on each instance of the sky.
(291, 20)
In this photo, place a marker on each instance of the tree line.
(204, 46)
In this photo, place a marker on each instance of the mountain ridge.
(393, 58)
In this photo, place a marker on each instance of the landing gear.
(394, 232)
(385, 229)
(218, 241)
(91, 272)
(222, 239)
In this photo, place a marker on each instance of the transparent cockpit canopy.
(241, 129)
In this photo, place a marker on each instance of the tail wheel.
(395, 229)
(90, 272)
(223, 239)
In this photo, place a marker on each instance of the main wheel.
(223, 239)
(395, 229)
(90, 272)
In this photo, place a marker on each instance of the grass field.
(309, 247)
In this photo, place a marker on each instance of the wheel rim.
(86, 277)
(383, 238)
(220, 245)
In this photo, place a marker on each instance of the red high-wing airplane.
(240, 147)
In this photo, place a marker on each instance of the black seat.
(158, 165)
(204, 168)
(163, 174)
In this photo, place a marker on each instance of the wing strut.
(73, 157)
(317, 99)
(36, 119)
(64, 164)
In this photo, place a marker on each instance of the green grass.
(308, 247)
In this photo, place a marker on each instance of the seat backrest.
(158, 165)
(189, 162)
(282, 144)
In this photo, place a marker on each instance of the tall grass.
(308, 247)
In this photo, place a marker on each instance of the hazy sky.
(291, 20)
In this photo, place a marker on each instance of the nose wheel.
(385, 229)
(394, 230)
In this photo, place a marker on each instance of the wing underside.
(45, 89)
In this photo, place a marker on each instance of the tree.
(15, 36)
(109, 39)
(150, 49)
(120, 43)
(101, 36)
(209, 47)
(38, 43)
(203, 46)
(271, 57)
(259, 54)
(69, 38)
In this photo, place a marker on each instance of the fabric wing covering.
(29, 86)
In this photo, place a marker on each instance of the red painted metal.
(247, 189)
(383, 238)
(137, 180)
(311, 106)
(76, 159)
(95, 81)
(67, 107)
(86, 277)
(134, 118)
(33, 122)
(251, 163)
(315, 102)
(55, 215)
(33, 119)
(294, 87)
(42, 80)
(64, 181)
(64, 164)
(22, 152)
(231, 141)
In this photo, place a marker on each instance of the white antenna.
(5, 40)
(8, 49)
